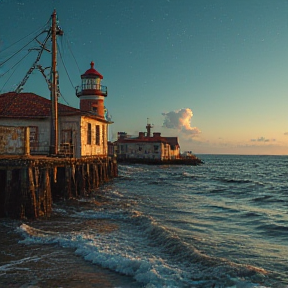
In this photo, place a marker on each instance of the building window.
(33, 138)
(97, 138)
(94, 109)
(103, 133)
(66, 136)
(89, 134)
(156, 147)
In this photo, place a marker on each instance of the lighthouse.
(92, 93)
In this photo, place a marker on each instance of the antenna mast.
(148, 127)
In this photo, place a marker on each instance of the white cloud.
(181, 120)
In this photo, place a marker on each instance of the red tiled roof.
(29, 105)
(92, 72)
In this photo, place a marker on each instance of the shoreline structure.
(30, 184)
(192, 160)
(69, 145)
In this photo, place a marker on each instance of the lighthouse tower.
(92, 93)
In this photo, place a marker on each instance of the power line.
(65, 68)
(62, 60)
(64, 98)
(69, 48)
(7, 82)
(24, 37)
(16, 63)
(1, 64)
(13, 71)
(35, 62)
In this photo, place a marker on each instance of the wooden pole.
(54, 91)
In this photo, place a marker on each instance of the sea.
(223, 223)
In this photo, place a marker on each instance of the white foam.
(127, 253)
(13, 264)
(117, 256)
(92, 214)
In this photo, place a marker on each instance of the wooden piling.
(29, 185)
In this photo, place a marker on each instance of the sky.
(214, 73)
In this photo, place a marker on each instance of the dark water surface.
(221, 224)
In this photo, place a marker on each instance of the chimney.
(156, 135)
(122, 135)
(141, 135)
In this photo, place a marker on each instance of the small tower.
(92, 92)
(149, 127)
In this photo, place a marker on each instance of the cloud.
(286, 133)
(263, 139)
(180, 119)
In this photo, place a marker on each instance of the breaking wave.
(147, 251)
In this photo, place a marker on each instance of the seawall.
(149, 161)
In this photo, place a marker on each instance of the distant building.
(82, 132)
(147, 147)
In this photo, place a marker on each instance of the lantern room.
(92, 93)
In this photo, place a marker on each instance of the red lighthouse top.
(92, 72)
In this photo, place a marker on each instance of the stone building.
(146, 146)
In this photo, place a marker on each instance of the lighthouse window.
(89, 134)
(84, 84)
(97, 138)
(94, 84)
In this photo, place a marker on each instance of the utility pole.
(54, 88)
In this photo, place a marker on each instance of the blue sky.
(218, 66)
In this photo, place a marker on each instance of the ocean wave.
(214, 268)
(148, 269)
(13, 265)
(274, 229)
(262, 198)
(252, 214)
(162, 261)
(238, 181)
(193, 176)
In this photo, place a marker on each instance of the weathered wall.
(141, 150)
(93, 149)
(71, 123)
(14, 140)
(74, 126)
(147, 150)
(42, 132)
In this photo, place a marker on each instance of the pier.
(30, 184)
(51, 151)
